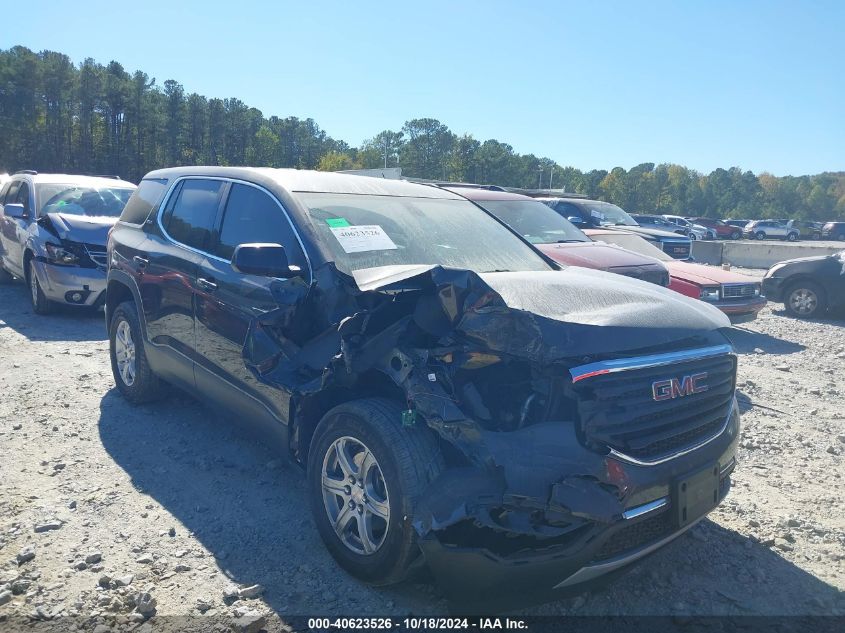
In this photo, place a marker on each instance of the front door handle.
(206, 284)
(140, 261)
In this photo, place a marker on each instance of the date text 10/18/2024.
(418, 623)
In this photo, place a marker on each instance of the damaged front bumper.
(72, 285)
(602, 514)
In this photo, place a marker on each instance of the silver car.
(696, 231)
(53, 233)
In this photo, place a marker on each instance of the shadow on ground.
(253, 517)
(66, 324)
(746, 341)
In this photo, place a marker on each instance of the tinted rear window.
(146, 197)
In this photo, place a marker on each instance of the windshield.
(536, 222)
(364, 231)
(634, 243)
(608, 214)
(77, 200)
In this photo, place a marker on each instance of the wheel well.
(795, 279)
(116, 293)
(27, 255)
(309, 410)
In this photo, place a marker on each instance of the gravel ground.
(115, 515)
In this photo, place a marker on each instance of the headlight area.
(710, 293)
(61, 255)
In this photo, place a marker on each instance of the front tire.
(791, 237)
(759, 235)
(841, 237)
(366, 473)
(805, 300)
(40, 303)
(132, 373)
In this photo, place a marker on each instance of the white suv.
(767, 229)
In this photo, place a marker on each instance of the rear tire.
(805, 300)
(841, 237)
(132, 373)
(736, 235)
(395, 463)
(40, 304)
(692, 236)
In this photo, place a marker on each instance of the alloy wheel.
(803, 301)
(355, 495)
(124, 352)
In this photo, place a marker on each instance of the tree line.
(56, 116)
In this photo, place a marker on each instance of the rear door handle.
(206, 284)
(142, 263)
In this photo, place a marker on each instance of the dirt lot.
(114, 514)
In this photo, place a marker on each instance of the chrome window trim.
(163, 204)
(582, 372)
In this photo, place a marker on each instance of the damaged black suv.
(457, 400)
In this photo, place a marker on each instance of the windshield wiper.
(570, 241)
(498, 270)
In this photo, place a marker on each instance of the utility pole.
(551, 176)
(539, 177)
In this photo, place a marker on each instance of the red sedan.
(738, 296)
(559, 239)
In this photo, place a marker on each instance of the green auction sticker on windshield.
(337, 222)
(366, 237)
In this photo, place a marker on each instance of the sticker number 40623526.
(368, 237)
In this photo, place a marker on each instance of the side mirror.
(266, 260)
(577, 220)
(15, 210)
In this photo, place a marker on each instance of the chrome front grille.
(738, 291)
(618, 409)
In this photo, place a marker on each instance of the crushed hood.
(82, 228)
(548, 316)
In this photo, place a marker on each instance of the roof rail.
(112, 176)
(30, 172)
(545, 193)
(446, 183)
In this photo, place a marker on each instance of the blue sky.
(760, 85)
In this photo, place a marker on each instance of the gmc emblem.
(674, 388)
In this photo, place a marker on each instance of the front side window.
(23, 197)
(251, 216)
(147, 196)
(81, 200)
(534, 221)
(367, 231)
(191, 216)
(12, 192)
